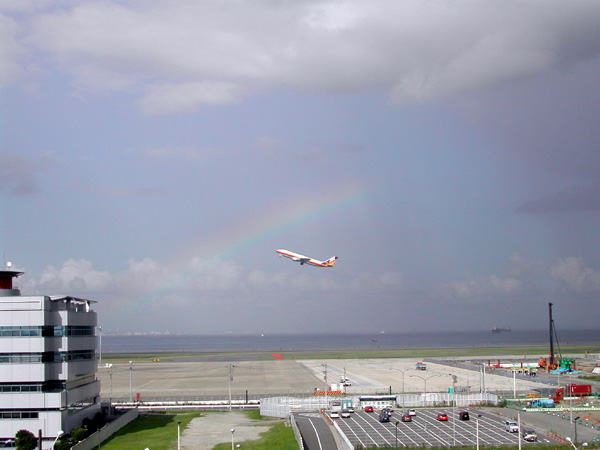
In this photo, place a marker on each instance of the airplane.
(305, 259)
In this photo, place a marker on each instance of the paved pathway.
(203, 433)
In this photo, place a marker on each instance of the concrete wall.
(94, 440)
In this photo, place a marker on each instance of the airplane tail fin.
(329, 262)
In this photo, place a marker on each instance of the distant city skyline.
(156, 154)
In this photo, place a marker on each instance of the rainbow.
(295, 214)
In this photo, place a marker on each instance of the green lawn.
(279, 437)
(157, 431)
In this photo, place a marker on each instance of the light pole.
(232, 431)
(178, 435)
(575, 429)
(110, 369)
(230, 368)
(585, 444)
(477, 427)
(396, 423)
(454, 377)
(401, 371)
(59, 433)
(519, 432)
(130, 385)
(425, 381)
(100, 331)
(326, 384)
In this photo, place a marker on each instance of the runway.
(210, 380)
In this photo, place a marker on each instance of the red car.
(442, 416)
(406, 418)
(368, 409)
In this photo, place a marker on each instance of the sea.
(180, 343)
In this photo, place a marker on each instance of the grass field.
(279, 437)
(441, 352)
(157, 431)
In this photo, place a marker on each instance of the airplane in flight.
(306, 260)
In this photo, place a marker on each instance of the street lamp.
(59, 433)
(454, 377)
(178, 436)
(326, 384)
(585, 444)
(230, 368)
(130, 386)
(575, 429)
(396, 423)
(477, 427)
(232, 431)
(402, 371)
(100, 331)
(425, 381)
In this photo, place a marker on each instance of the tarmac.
(169, 380)
(163, 380)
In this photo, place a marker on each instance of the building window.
(18, 414)
(47, 331)
(47, 357)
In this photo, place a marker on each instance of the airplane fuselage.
(305, 259)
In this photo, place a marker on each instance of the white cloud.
(10, 50)
(178, 56)
(484, 288)
(74, 277)
(572, 274)
(186, 97)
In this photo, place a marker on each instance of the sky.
(155, 154)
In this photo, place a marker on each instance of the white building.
(47, 362)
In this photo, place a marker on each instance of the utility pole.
(230, 368)
(551, 341)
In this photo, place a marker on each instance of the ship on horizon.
(500, 329)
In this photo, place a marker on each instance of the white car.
(511, 426)
(335, 415)
(345, 413)
(412, 412)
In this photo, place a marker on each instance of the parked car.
(350, 409)
(406, 418)
(345, 413)
(384, 416)
(368, 409)
(412, 412)
(463, 415)
(511, 426)
(442, 416)
(529, 435)
(335, 415)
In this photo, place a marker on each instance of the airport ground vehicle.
(542, 403)
(511, 426)
(463, 415)
(580, 390)
(368, 409)
(442, 416)
(529, 435)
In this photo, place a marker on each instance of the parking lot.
(364, 429)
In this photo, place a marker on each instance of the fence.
(94, 440)
(283, 406)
